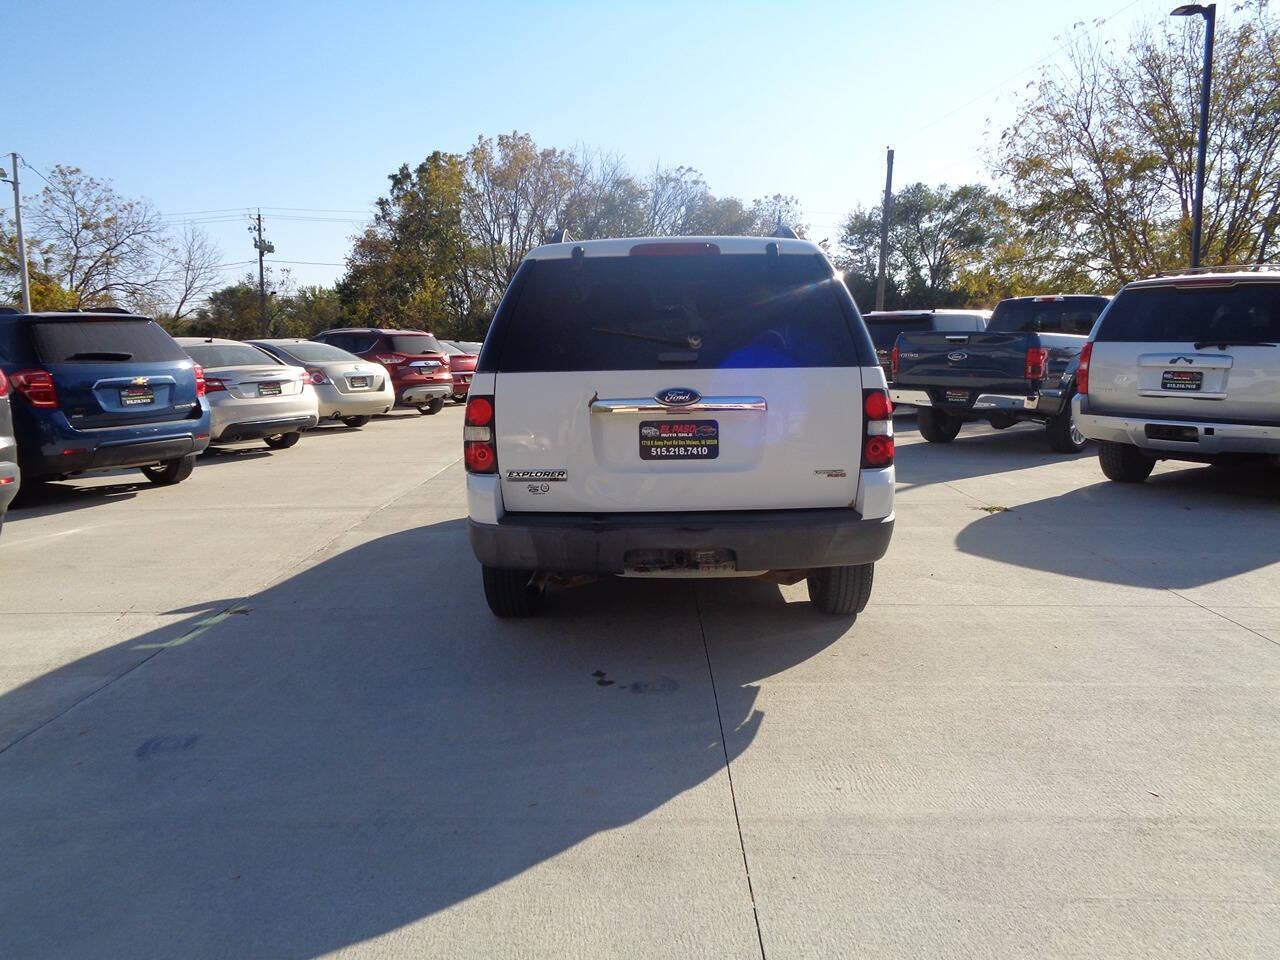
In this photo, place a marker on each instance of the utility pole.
(263, 247)
(22, 249)
(884, 230)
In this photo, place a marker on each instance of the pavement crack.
(1219, 613)
(728, 769)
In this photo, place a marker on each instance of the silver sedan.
(348, 388)
(251, 394)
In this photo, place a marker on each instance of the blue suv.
(101, 390)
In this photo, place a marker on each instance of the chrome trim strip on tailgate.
(649, 405)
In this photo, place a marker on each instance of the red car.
(417, 361)
(462, 364)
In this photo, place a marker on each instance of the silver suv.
(1184, 367)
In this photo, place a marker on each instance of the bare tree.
(193, 270)
(98, 245)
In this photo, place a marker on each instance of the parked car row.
(104, 389)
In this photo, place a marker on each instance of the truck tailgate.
(959, 362)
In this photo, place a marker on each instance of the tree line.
(1091, 187)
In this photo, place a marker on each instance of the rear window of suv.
(692, 312)
(103, 341)
(884, 335)
(414, 343)
(1226, 314)
(1073, 315)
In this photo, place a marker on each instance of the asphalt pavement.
(266, 713)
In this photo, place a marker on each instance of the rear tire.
(282, 441)
(511, 593)
(1124, 463)
(937, 426)
(355, 423)
(841, 590)
(1063, 434)
(459, 398)
(170, 471)
(431, 407)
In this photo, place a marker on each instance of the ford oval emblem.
(677, 397)
(957, 356)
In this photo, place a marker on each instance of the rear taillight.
(479, 452)
(4, 384)
(877, 429)
(202, 386)
(214, 384)
(37, 386)
(1037, 363)
(1082, 371)
(893, 361)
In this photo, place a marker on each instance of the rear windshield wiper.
(691, 341)
(1223, 344)
(100, 355)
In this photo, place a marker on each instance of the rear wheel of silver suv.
(1124, 463)
(511, 593)
(841, 590)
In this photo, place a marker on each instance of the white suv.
(1184, 367)
(679, 407)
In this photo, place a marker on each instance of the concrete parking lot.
(266, 713)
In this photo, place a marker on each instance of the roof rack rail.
(1221, 268)
(106, 310)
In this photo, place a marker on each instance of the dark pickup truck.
(1022, 367)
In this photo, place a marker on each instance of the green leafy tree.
(1100, 161)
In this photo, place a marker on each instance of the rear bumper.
(332, 402)
(1029, 406)
(1204, 438)
(421, 393)
(257, 429)
(114, 455)
(759, 539)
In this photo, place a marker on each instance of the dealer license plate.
(268, 389)
(957, 396)
(679, 439)
(1182, 380)
(358, 383)
(137, 396)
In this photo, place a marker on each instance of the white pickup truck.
(1184, 367)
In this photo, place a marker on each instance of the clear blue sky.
(311, 104)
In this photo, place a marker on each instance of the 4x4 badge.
(677, 397)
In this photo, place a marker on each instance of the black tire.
(355, 423)
(937, 426)
(282, 441)
(841, 590)
(511, 593)
(459, 398)
(170, 471)
(1124, 463)
(1001, 423)
(431, 407)
(1063, 434)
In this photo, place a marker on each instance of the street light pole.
(22, 249)
(1209, 12)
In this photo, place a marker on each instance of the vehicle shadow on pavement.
(1182, 528)
(49, 499)
(978, 451)
(363, 745)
